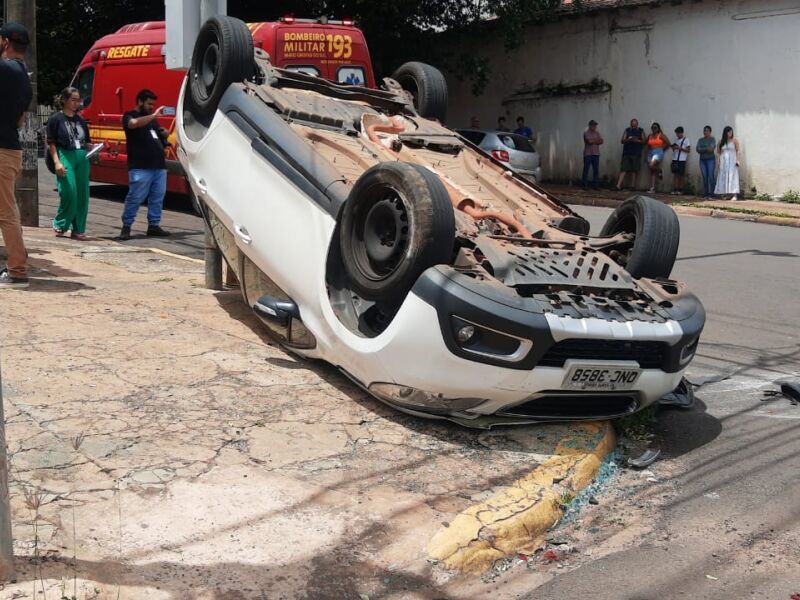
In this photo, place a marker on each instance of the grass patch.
(742, 211)
(638, 426)
(792, 196)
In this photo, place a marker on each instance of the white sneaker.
(651, 191)
(8, 281)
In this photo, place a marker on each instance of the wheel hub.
(383, 232)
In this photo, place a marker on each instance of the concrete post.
(7, 572)
(213, 258)
(24, 12)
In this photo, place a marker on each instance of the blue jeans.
(707, 168)
(594, 162)
(145, 184)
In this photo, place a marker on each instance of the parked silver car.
(516, 150)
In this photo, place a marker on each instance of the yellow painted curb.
(520, 514)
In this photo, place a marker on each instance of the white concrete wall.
(715, 62)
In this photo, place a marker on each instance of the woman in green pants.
(67, 136)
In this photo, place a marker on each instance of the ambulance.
(120, 64)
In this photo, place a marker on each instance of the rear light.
(500, 155)
(287, 19)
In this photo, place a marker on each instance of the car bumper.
(426, 372)
(534, 175)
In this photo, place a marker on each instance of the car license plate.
(600, 378)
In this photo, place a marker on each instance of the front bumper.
(518, 378)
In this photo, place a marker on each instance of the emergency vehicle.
(120, 64)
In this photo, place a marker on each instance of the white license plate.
(600, 378)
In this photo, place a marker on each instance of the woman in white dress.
(728, 165)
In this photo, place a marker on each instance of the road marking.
(520, 514)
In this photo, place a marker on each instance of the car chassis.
(510, 313)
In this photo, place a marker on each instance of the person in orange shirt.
(656, 143)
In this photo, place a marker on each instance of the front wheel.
(398, 221)
(657, 235)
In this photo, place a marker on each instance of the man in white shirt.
(680, 152)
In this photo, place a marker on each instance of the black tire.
(657, 232)
(223, 54)
(398, 221)
(428, 87)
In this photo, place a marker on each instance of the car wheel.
(223, 54)
(398, 221)
(428, 87)
(657, 235)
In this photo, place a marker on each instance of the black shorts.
(631, 164)
(678, 167)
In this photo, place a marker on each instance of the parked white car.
(442, 282)
(516, 150)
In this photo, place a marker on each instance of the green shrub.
(792, 196)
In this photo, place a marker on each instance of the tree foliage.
(447, 33)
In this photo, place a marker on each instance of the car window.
(307, 69)
(476, 137)
(350, 75)
(84, 81)
(517, 142)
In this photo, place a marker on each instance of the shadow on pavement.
(117, 193)
(683, 431)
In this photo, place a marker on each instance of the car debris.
(788, 390)
(367, 234)
(644, 460)
(681, 397)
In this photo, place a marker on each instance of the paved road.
(733, 507)
(730, 466)
(105, 211)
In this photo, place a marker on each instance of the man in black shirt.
(15, 96)
(147, 170)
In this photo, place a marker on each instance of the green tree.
(446, 33)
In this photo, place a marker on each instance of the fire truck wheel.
(428, 87)
(223, 54)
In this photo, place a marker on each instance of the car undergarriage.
(373, 237)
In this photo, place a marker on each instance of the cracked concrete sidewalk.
(174, 453)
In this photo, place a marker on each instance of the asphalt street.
(731, 525)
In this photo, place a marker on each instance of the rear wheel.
(428, 87)
(397, 222)
(223, 54)
(657, 236)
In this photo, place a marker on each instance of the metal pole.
(24, 12)
(7, 572)
(213, 262)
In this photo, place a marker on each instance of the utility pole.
(7, 572)
(24, 13)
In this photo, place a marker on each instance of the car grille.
(649, 355)
(575, 406)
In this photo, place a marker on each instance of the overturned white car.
(380, 241)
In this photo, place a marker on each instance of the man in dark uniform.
(147, 168)
(14, 100)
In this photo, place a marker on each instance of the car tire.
(397, 222)
(657, 235)
(428, 87)
(223, 54)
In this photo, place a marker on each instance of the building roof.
(575, 6)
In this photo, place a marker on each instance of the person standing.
(591, 154)
(708, 161)
(501, 124)
(656, 144)
(474, 123)
(680, 153)
(15, 96)
(523, 129)
(728, 165)
(67, 137)
(147, 169)
(632, 146)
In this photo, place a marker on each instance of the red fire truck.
(120, 64)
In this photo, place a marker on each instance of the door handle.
(243, 234)
(201, 185)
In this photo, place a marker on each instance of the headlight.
(483, 341)
(415, 399)
(688, 351)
